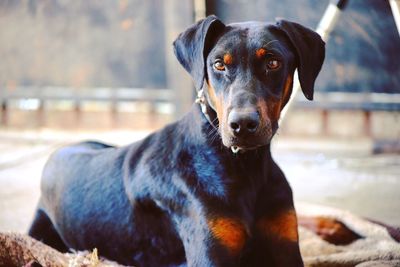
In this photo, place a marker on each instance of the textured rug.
(376, 246)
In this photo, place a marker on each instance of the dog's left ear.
(193, 45)
(310, 50)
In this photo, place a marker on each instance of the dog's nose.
(243, 122)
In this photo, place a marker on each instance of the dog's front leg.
(276, 239)
(277, 242)
(210, 242)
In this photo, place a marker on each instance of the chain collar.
(205, 108)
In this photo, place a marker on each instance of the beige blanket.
(377, 248)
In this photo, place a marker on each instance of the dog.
(203, 191)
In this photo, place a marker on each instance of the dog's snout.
(243, 122)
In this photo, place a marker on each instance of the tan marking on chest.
(282, 226)
(231, 233)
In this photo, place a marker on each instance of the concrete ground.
(339, 173)
(343, 174)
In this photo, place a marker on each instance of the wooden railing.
(325, 102)
(365, 102)
(77, 97)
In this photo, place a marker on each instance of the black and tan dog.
(203, 191)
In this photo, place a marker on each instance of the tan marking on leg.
(228, 59)
(261, 52)
(282, 226)
(229, 232)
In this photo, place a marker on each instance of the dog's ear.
(193, 45)
(310, 49)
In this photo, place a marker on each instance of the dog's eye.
(219, 65)
(273, 64)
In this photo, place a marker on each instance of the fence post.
(4, 112)
(41, 113)
(178, 15)
(367, 123)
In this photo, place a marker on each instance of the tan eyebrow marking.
(261, 52)
(228, 59)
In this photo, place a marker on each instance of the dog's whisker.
(214, 136)
(270, 42)
(212, 132)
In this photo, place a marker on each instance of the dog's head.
(246, 72)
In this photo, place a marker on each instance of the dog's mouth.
(240, 146)
(249, 143)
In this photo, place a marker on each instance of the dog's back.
(83, 185)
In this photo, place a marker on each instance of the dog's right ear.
(193, 45)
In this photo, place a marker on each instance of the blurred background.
(105, 70)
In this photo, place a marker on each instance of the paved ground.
(366, 184)
(339, 173)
